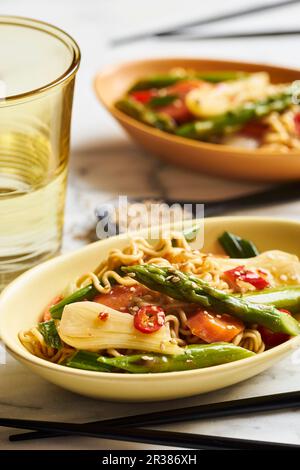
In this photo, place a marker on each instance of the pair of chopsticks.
(130, 428)
(175, 31)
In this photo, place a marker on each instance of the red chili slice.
(241, 274)
(143, 96)
(149, 319)
(270, 338)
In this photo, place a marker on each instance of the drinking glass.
(37, 73)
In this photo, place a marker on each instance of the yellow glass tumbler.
(37, 73)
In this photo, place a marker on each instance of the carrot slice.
(212, 327)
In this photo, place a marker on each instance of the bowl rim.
(113, 69)
(14, 346)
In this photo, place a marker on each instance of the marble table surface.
(104, 163)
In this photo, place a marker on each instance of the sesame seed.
(147, 358)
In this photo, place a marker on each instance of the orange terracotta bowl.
(214, 159)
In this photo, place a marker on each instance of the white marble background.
(105, 163)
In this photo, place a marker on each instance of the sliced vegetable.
(233, 276)
(50, 334)
(190, 288)
(149, 319)
(193, 357)
(237, 247)
(211, 327)
(282, 298)
(81, 326)
(86, 360)
(120, 297)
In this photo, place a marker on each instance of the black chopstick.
(148, 436)
(231, 408)
(204, 21)
(242, 35)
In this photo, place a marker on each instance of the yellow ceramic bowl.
(232, 162)
(22, 302)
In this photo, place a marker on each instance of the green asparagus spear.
(147, 116)
(285, 297)
(50, 334)
(237, 247)
(190, 288)
(162, 81)
(86, 360)
(235, 118)
(196, 356)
